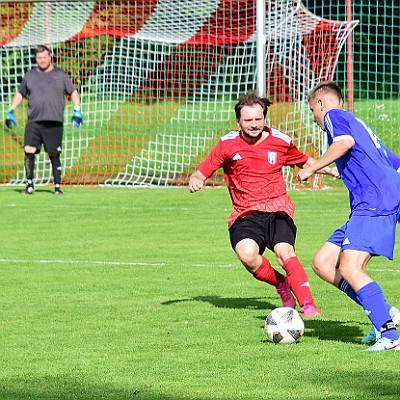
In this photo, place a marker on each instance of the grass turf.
(135, 294)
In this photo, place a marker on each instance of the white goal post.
(159, 79)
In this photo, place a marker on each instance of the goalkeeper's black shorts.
(47, 133)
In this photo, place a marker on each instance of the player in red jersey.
(252, 159)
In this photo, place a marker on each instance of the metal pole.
(350, 92)
(261, 40)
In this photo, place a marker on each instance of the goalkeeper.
(45, 87)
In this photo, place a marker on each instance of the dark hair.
(251, 99)
(325, 87)
(41, 48)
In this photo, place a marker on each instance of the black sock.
(56, 168)
(29, 166)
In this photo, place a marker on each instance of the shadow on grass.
(252, 303)
(339, 331)
(59, 389)
(348, 332)
(358, 385)
(38, 190)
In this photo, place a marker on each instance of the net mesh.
(159, 79)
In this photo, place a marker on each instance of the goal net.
(159, 79)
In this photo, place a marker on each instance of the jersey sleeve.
(337, 126)
(23, 89)
(295, 157)
(213, 161)
(69, 86)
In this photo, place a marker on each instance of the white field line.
(110, 263)
(139, 263)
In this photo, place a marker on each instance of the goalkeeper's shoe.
(385, 344)
(374, 335)
(29, 189)
(58, 191)
(285, 293)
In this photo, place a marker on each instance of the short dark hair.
(41, 48)
(324, 87)
(251, 99)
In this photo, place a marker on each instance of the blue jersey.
(368, 169)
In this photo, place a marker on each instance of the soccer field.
(136, 294)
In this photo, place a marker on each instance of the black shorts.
(48, 133)
(266, 228)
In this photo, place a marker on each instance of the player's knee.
(325, 266)
(247, 251)
(319, 264)
(316, 268)
(283, 251)
(247, 256)
(248, 260)
(29, 150)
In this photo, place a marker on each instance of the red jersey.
(253, 172)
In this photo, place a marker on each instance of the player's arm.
(196, 181)
(16, 101)
(332, 171)
(207, 168)
(302, 160)
(335, 151)
(75, 98)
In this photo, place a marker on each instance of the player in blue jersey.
(371, 173)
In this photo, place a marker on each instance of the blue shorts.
(374, 235)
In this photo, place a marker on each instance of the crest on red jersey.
(272, 157)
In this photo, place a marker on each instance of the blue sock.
(374, 304)
(346, 288)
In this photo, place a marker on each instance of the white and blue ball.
(284, 325)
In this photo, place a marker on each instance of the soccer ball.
(284, 325)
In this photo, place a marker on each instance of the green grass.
(136, 294)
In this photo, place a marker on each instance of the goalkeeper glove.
(10, 119)
(77, 119)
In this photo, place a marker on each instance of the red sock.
(297, 279)
(266, 273)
